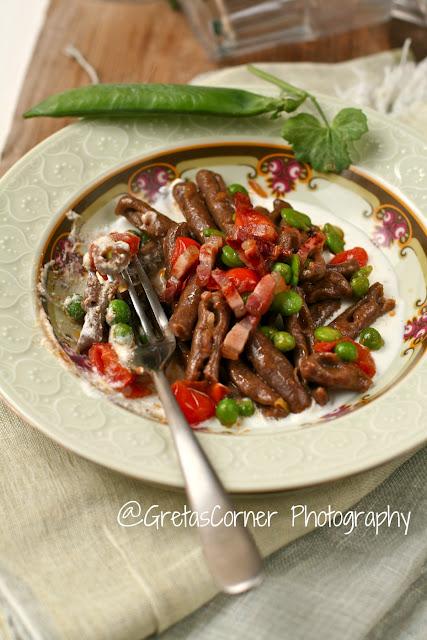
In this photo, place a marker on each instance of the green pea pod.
(295, 269)
(210, 231)
(296, 219)
(327, 334)
(284, 270)
(121, 100)
(334, 243)
(364, 271)
(230, 257)
(332, 228)
(237, 188)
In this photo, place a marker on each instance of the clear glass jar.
(228, 27)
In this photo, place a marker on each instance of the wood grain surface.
(148, 41)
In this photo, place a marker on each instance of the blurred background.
(157, 40)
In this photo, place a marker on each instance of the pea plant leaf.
(325, 146)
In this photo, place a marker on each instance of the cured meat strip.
(332, 286)
(277, 371)
(364, 312)
(184, 317)
(143, 216)
(251, 385)
(230, 292)
(193, 208)
(207, 258)
(328, 370)
(201, 344)
(220, 204)
(95, 301)
(222, 322)
(236, 339)
(347, 268)
(322, 311)
(176, 231)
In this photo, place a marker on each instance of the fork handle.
(230, 551)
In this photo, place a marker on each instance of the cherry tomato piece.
(245, 280)
(365, 360)
(218, 391)
(252, 223)
(325, 347)
(130, 238)
(195, 405)
(358, 253)
(181, 244)
(105, 360)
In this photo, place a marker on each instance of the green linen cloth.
(68, 571)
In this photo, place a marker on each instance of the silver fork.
(231, 554)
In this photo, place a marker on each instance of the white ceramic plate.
(381, 200)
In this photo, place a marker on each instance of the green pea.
(230, 257)
(227, 411)
(268, 331)
(210, 231)
(334, 243)
(142, 235)
(237, 188)
(371, 338)
(118, 311)
(359, 285)
(364, 271)
(74, 307)
(284, 270)
(296, 219)
(327, 334)
(331, 228)
(121, 333)
(346, 351)
(295, 269)
(284, 341)
(246, 407)
(286, 303)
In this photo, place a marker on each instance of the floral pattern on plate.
(283, 172)
(146, 183)
(393, 227)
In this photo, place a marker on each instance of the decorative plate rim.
(247, 482)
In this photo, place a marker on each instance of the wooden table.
(148, 41)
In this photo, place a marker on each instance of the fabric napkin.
(68, 571)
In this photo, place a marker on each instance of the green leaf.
(325, 147)
(351, 123)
